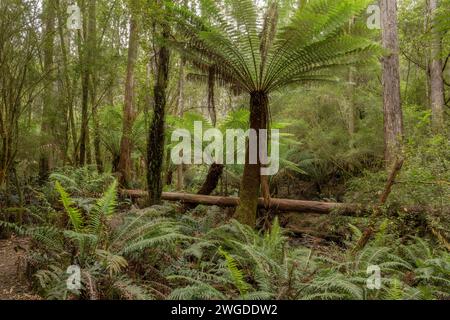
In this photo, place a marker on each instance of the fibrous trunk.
(251, 179)
(210, 184)
(155, 147)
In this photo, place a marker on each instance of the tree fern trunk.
(251, 179)
(210, 184)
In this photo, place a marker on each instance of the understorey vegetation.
(159, 253)
(93, 207)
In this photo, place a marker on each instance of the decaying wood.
(212, 179)
(279, 204)
(282, 205)
(394, 173)
(362, 242)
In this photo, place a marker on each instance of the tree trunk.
(92, 51)
(210, 184)
(82, 51)
(48, 100)
(393, 117)
(289, 205)
(351, 95)
(129, 109)
(211, 100)
(251, 179)
(68, 85)
(436, 72)
(181, 82)
(155, 146)
(351, 105)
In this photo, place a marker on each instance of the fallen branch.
(370, 230)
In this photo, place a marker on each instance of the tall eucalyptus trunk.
(49, 94)
(393, 116)
(92, 53)
(180, 111)
(84, 64)
(129, 113)
(436, 72)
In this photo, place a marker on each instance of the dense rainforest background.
(92, 90)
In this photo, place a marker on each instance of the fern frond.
(74, 214)
(236, 274)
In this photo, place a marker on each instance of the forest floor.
(12, 285)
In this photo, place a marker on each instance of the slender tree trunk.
(83, 52)
(181, 82)
(211, 100)
(68, 86)
(155, 146)
(393, 117)
(210, 184)
(351, 94)
(251, 179)
(168, 177)
(351, 105)
(49, 96)
(436, 72)
(129, 109)
(97, 140)
(92, 48)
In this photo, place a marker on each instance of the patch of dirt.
(12, 285)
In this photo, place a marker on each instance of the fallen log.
(275, 204)
(288, 205)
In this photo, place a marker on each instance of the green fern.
(236, 274)
(74, 214)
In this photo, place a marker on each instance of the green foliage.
(99, 251)
(236, 274)
(263, 54)
(84, 181)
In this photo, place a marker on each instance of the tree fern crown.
(261, 50)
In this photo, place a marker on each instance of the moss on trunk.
(251, 179)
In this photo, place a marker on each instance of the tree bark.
(210, 184)
(211, 100)
(181, 82)
(92, 52)
(84, 63)
(48, 100)
(129, 113)
(282, 205)
(436, 72)
(68, 85)
(393, 117)
(155, 146)
(251, 179)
